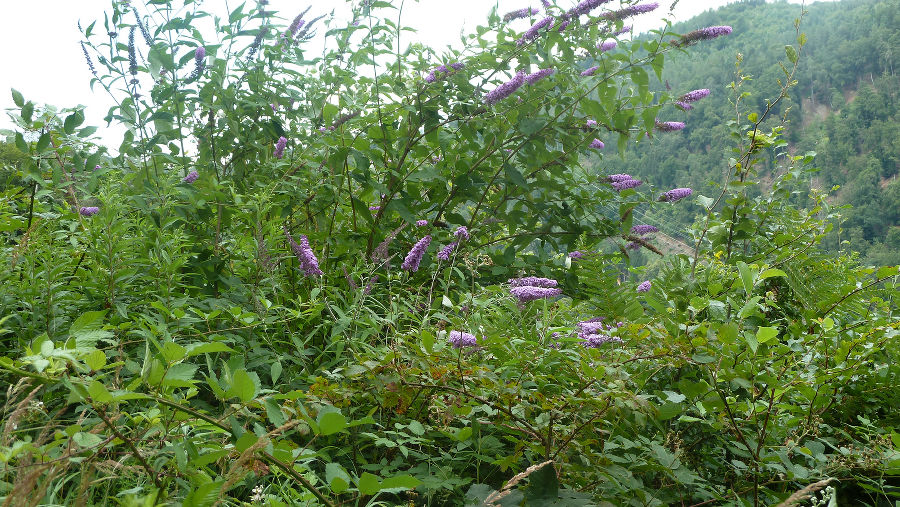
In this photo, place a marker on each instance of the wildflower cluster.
(520, 13)
(595, 332)
(442, 71)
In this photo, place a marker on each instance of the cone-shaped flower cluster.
(710, 32)
(505, 90)
(414, 257)
(89, 211)
(461, 339)
(532, 32)
(308, 261)
(606, 45)
(521, 13)
(642, 230)
(597, 144)
(676, 194)
(279, 147)
(644, 286)
(669, 126)
(595, 333)
(537, 76)
(191, 177)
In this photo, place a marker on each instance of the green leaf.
(274, 413)
(18, 100)
(368, 484)
(73, 121)
(195, 349)
(772, 272)
(791, 53)
(275, 371)
(399, 483)
(27, 111)
(99, 393)
(331, 422)
(180, 375)
(172, 352)
(204, 495)
(337, 478)
(43, 142)
(86, 439)
(750, 338)
(242, 386)
(543, 485)
(95, 360)
(747, 276)
(87, 329)
(764, 334)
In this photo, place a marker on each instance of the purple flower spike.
(644, 286)
(97, 167)
(532, 32)
(684, 106)
(622, 185)
(519, 14)
(447, 251)
(191, 177)
(200, 53)
(586, 6)
(591, 124)
(676, 194)
(633, 10)
(669, 126)
(577, 254)
(707, 33)
(460, 339)
(421, 223)
(590, 72)
(621, 30)
(414, 257)
(563, 25)
(607, 45)
(374, 208)
(89, 211)
(462, 233)
(695, 95)
(533, 281)
(642, 230)
(308, 261)
(593, 341)
(597, 144)
(537, 76)
(442, 71)
(505, 90)
(618, 177)
(633, 246)
(279, 147)
(530, 293)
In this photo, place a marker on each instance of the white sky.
(42, 59)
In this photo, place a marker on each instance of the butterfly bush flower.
(442, 71)
(563, 25)
(634, 245)
(132, 54)
(625, 184)
(462, 233)
(597, 144)
(532, 281)
(374, 208)
(644, 286)
(532, 32)
(607, 45)
(695, 95)
(622, 30)
(676, 194)
(527, 293)
(521, 13)
(505, 90)
(279, 147)
(708, 33)
(537, 76)
(577, 254)
(447, 251)
(595, 332)
(612, 178)
(191, 177)
(642, 230)
(585, 7)
(632, 10)
(89, 211)
(414, 257)
(461, 339)
(590, 71)
(87, 57)
(684, 106)
(97, 167)
(594, 341)
(308, 261)
(421, 223)
(669, 126)
(591, 124)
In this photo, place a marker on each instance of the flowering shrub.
(252, 336)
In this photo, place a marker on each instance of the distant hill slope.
(845, 107)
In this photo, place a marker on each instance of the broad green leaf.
(84, 439)
(242, 386)
(771, 272)
(87, 329)
(747, 277)
(764, 334)
(18, 100)
(791, 53)
(95, 360)
(337, 478)
(99, 393)
(331, 422)
(368, 484)
(196, 349)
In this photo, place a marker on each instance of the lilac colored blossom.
(279, 147)
(684, 106)
(622, 30)
(546, 3)
(200, 53)
(695, 95)
(597, 144)
(132, 53)
(532, 281)
(457, 65)
(634, 245)
(669, 126)
(632, 10)
(368, 287)
(191, 177)
(676, 194)
(606, 45)
(593, 341)
(591, 124)
(537, 76)
(88, 211)
(505, 90)
(297, 23)
(642, 230)
(519, 14)
(308, 261)
(618, 177)
(374, 208)
(625, 184)
(97, 167)
(414, 257)
(564, 25)
(532, 32)
(527, 293)
(585, 7)
(710, 32)
(644, 286)
(590, 71)
(447, 251)
(460, 339)
(87, 57)
(462, 233)
(577, 254)
(421, 223)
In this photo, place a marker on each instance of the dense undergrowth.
(301, 282)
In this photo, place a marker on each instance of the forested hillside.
(845, 107)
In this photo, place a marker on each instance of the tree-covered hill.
(845, 108)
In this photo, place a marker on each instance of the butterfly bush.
(590, 71)
(461, 339)
(445, 253)
(597, 144)
(532, 32)
(676, 194)
(191, 177)
(607, 45)
(537, 76)
(629, 11)
(520, 13)
(642, 230)
(644, 286)
(461, 233)
(527, 293)
(626, 184)
(89, 211)
(708, 33)
(669, 126)
(304, 253)
(505, 90)
(279, 147)
(533, 281)
(414, 257)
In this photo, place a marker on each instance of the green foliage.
(180, 346)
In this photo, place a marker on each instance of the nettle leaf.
(180, 375)
(243, 386)
(86, 330)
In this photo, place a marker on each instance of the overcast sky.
(42, 59)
